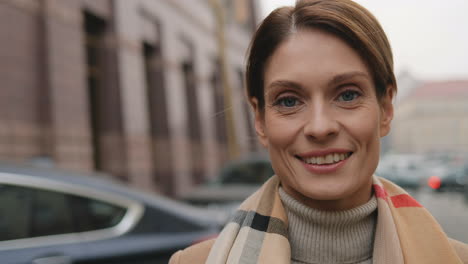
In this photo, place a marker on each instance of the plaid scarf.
(406, 232)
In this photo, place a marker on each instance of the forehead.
(312, 55)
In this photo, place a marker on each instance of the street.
(449, 208)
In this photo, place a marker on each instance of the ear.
(259, 122)
(386, 106)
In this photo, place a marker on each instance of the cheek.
(281, 132)
(362, 129)
(366, 126)
(369, 130)
(368, 141)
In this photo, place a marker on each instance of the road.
(449, 208)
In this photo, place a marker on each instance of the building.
(148, 91)
(406, 82)
(432, 119)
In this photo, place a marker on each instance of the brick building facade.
(432, 119)
(140, 89)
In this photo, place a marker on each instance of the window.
(27, 212)
(247, 173)
(15, 207)
(95, 29)
(93, 215)
(50, 214)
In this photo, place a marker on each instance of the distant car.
(235, 182)
(405, 170)
(466, 192)
(449, 179)
(405, 177)
(58, 217)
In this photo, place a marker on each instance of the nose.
(321, 123)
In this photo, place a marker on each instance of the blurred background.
(150, 94)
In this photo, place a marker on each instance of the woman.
(320, 80)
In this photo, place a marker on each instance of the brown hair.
(343, 18)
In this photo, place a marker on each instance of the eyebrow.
(283, 83)
(332, 82)
(346, 76)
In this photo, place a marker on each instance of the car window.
(15, 210)
(95, 214)
(248, 173)
(50, 214)
(28, 212)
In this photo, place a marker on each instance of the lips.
(326, 161)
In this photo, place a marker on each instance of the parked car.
(453, 178)
(53, 216)
(466, 191)
(405, 170)
(402, 179)
(235, 182)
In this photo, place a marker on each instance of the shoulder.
(461, 249)
(196, 254)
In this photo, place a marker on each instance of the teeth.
(320, 160)
(336, 157)
(328, 159)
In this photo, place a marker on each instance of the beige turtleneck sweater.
(330, 236)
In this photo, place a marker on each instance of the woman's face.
(322, 121)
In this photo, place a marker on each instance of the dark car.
(466, 190)
(235, 182)
(452, 178)
(58, 217)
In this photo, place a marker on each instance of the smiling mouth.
(328, 159)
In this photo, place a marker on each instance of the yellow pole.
(233, 150)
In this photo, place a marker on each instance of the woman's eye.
(348, 96)
(287, 102)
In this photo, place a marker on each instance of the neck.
(353, 200)
(318, 236)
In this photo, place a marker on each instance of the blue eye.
(348, 96)
(287, 101)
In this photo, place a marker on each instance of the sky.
(429, 38)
